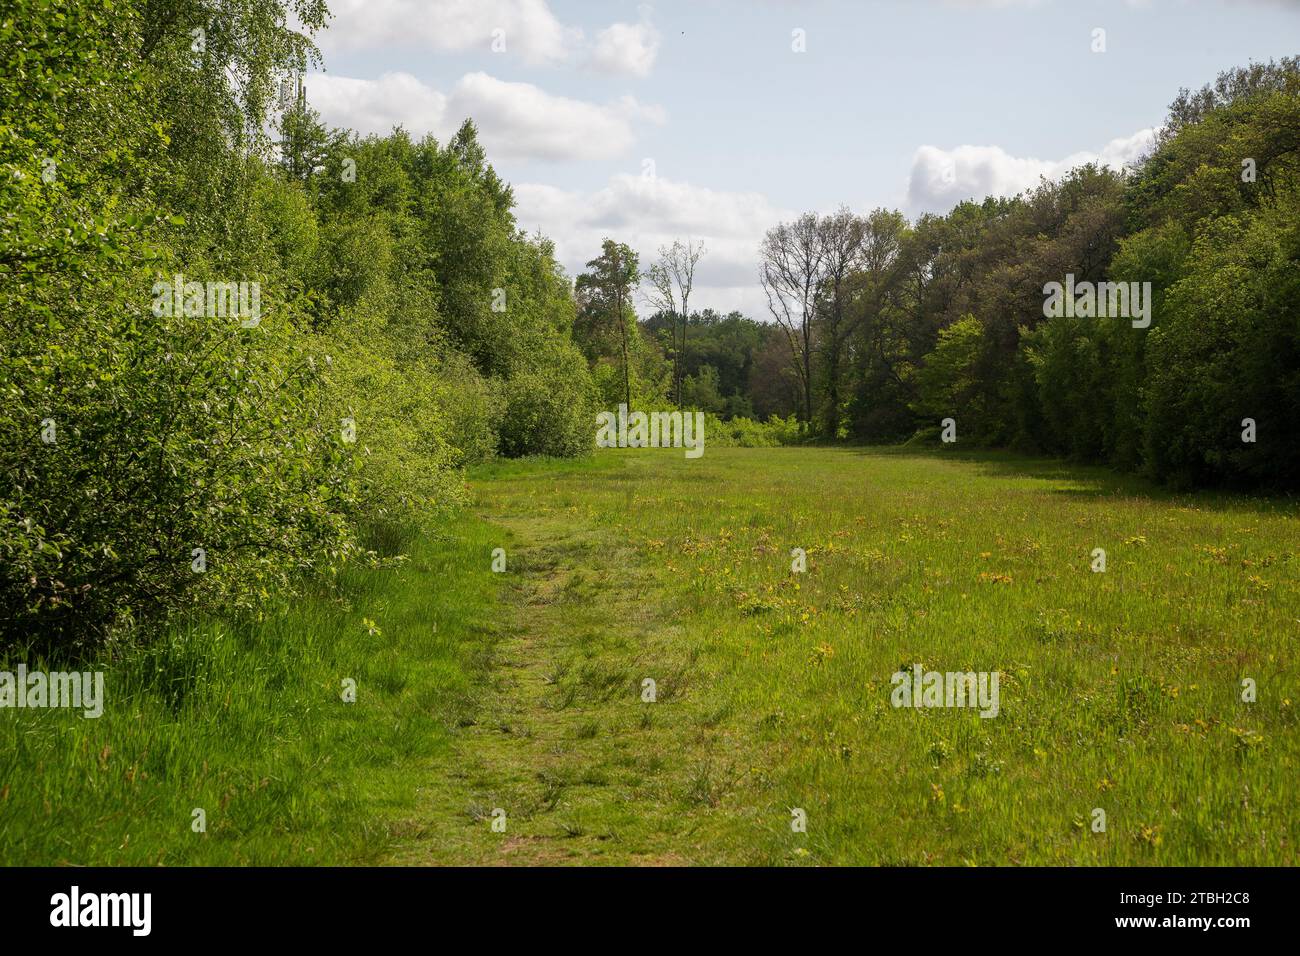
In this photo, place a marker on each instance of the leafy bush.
(748, 433)
(471, 409)
(392, 410)
(135, 440)
(549, 411)
(160, 459)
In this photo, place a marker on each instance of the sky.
(716, 119)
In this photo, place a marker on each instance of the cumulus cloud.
(627, 47)
(941, 178)
(647, 212)
(376, 106)
(527, 28)
(515, 120)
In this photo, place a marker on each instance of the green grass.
(247, 721)
(1119, 691)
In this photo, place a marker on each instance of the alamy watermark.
(655, 430)
(213, 300)
(53, 689)
(921, 688)
(1099, 300)
(75, 908)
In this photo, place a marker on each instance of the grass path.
(564, 744)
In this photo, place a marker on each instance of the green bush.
(157, 459)
(160, 461)
(748, 433)
(471, 409)
(549, 411)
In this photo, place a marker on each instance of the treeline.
(893, 326)
(1177, 354)
(731, 366)
(238, 348)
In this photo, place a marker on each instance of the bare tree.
(671, 280)
(791, 274)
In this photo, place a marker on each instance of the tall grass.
(245, 720)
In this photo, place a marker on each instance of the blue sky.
(910, 105)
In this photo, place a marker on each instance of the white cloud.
(627, 47)
(376, 106)
(940, 178)
(515, 120)
(1127, 150)
(526, 29)
(649, 212)
(531, 31)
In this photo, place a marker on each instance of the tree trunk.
(685, 319)
(807, 372)
(677, 366)
(627, 374)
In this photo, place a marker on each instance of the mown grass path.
(584, 769)
(1121, 691)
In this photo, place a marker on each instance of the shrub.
(158, 460)
(550, 411)
(748, 433)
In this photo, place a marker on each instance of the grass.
(246, 721)
(529, 705)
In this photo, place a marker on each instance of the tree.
(605, 299)
(671, 280)
(772, 386)
(841, 237)
(878, 344)
(304, 141)
(701, 391)
(791, 273)
(1230, 86)
(948, 383)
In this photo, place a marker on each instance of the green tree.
(604, 295)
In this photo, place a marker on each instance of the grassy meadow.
(522, 692)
